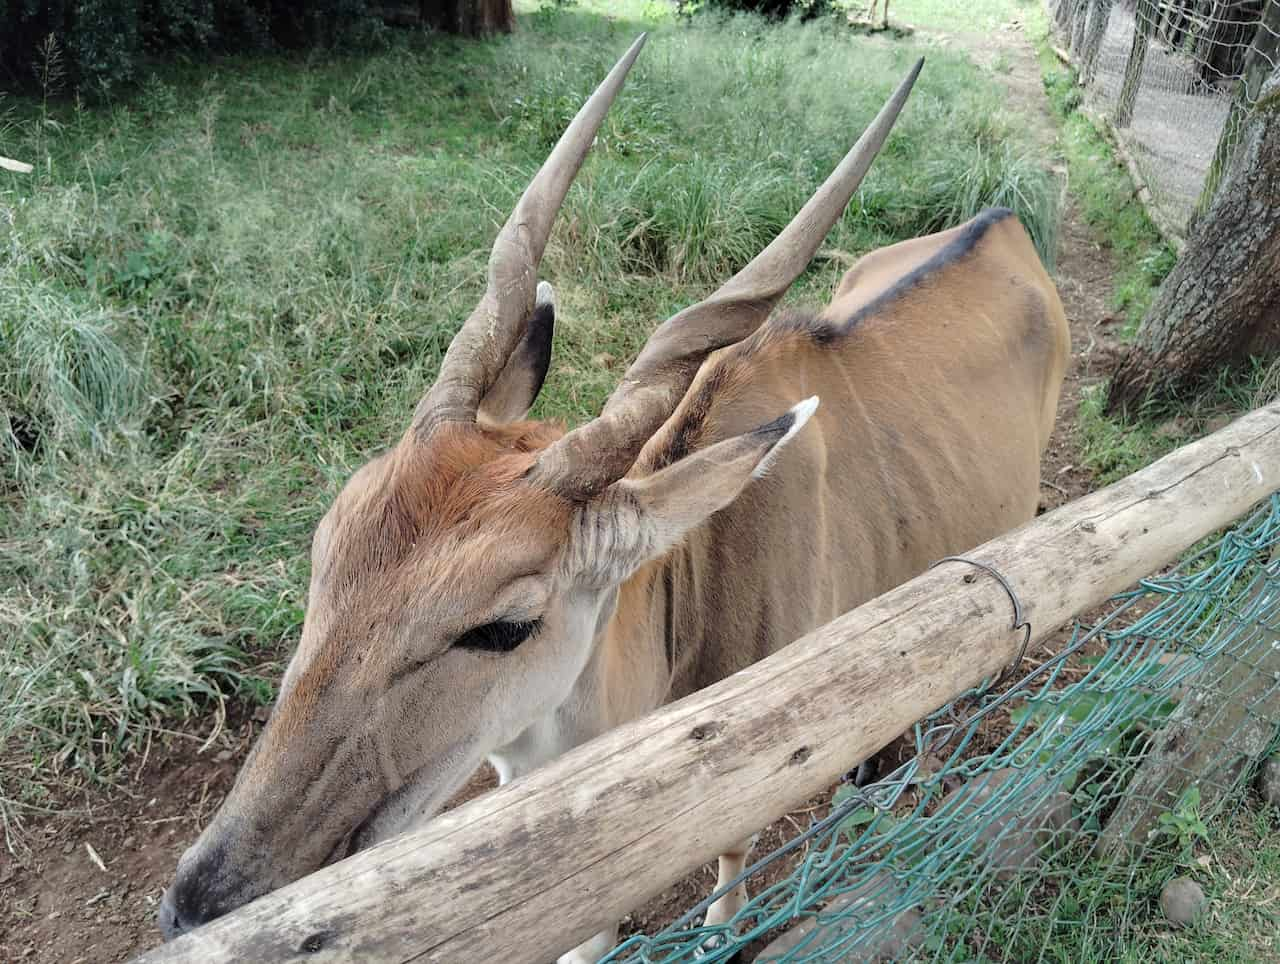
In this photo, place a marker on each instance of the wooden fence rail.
(531, 869)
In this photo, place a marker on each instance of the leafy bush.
(100, 44)
(806, 9)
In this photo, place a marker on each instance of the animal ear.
(652, 514)
(512, 395)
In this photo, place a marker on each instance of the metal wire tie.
(1018, 621)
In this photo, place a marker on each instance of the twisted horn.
(486, 339)
(594, 455)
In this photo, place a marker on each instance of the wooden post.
(1079, 21)
(533, 868)
(1098, 24)
(1062, 11)
(1263, 54)
(1144, 15)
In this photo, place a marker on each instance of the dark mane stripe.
(686, 434)
(954, 250)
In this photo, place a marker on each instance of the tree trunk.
(1263, 52)
(471, 18)
(1093, 40)
(1221, 303)
(1144, 16)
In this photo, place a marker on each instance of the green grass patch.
(1103, 911)
(1106, 194)
(974, 16)
(1113, 448)
(221, 296)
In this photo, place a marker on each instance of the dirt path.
(87, 887)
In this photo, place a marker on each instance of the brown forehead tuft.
(468, 470)
(465, 473)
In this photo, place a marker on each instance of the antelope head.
(459, 581)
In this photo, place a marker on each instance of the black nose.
(171, 924)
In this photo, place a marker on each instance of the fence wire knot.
(1018, 621)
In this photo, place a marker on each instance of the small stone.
(222, 756)
(68, 848)
(1030, 817)
(262, 713)
(1175, 428)
(130, 842)
(1182, 900)
(891, 940)
(1269, 781)
(1218, 423)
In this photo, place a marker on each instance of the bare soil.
(87, 885)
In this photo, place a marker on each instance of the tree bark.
(471, 18)
(1221, 303)
(1263, 52)
(1144, 16)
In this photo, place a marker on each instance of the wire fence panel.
(1029, 817)
(1166, 76)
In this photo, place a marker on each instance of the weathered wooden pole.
(1144, 17)
(1098, 23)
(1079, 21)
(531, 869)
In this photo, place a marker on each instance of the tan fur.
(937, 396)
(935, 411)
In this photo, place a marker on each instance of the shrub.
(99, 45)
(805, 9)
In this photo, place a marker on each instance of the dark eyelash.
(499, 637)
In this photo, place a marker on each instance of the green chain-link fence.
(1048, 814)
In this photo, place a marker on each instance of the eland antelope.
(497, 588)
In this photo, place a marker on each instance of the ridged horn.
(482, 345)
(591, 457)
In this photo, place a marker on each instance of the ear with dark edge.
(513, 394)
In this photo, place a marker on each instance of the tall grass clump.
(221, 295)
(984, 175)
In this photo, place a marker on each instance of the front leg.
(592, 949)
(732, 863)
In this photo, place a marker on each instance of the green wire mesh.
(1044, 809)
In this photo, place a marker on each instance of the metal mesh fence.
(1173, 79)
(1049, 815)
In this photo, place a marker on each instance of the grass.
(224, 292)
(1114, 448)
(1109, 203)
(1093, 911)
(1106, 195)
(948, 15)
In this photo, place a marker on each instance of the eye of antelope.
(498, 637)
